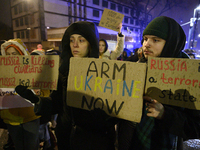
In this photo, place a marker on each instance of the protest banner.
(174, 81)
(116, 87)
(111, 19)
(37, 72)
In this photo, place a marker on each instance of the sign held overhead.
(111, 19)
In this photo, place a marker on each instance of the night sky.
(180, 16)
(5, 15)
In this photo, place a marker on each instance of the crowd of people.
(162, 127)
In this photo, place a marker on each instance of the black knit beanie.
(158, 27)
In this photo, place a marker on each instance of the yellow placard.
(111, 19)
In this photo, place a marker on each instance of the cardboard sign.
(111, 19)
(174, 81)
(37, 72)
(114, 86)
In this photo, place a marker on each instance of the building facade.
(35, 21)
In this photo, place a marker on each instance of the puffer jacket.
(18, 110)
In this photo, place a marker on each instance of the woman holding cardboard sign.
(104, 53)
(22, 123)
(76, 128)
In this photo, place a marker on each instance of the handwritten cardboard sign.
(37, 72)
(110, 19)
(114, 86)
(174, 81)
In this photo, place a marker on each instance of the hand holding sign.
(154, 108)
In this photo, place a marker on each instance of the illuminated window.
(125, 19)
(137, 23)
(105, 4)
(20, 7)
(131, 21)
(113, 6)
(22, 34)
(18, 34)
(26, 20)
(32, 19)
(32, 34)
(21, 22)
(17, 23)
(27, 34)
(95, 13)
(25, 7)
(119, 8)
(126, 10)
(15, 10)
(96, 2)
(133, 12)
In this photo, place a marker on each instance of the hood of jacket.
(89, 31)
(175, 41)
(17, 44)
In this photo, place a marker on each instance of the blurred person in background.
(104, 53)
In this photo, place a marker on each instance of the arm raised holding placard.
(104, 53)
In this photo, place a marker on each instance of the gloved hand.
(26, 93)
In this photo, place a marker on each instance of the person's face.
(102, 46)
(12, 51)
(152, 46)
(79, 45)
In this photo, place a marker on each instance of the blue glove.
(26, 93)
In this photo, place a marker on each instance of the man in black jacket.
(161, 126)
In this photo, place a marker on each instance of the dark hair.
(106, 44)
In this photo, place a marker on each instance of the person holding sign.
(162, 126)
(104, 53)
(76, 128)
(19, 116)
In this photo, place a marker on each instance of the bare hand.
(154, 108)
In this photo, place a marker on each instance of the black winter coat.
(77, 128)
(178, 123)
